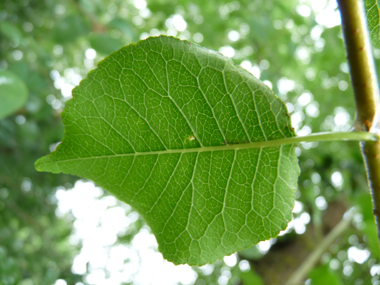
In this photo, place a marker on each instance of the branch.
(301, 273)
(366, 90)
(288, 255)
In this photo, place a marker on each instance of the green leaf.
(104, 43)
(251, 253)
(323, 275)
(11, 32)
(251, 278)
(13, 93)
(370, 230)
(372, 8)
(180, 133)
(70, 28)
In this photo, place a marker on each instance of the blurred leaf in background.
(324, 275)
(13, 93)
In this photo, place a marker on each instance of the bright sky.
(98, 220)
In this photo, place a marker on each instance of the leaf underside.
(373, 17)
(151, 125)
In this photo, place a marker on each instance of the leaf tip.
(46, 164)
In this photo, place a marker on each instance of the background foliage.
(51, 45)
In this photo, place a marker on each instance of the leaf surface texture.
(372, 8)
(160, 124)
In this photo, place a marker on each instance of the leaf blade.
(373, 18)
(158, 118)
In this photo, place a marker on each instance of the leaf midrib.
(328, 136)
(234, 147)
